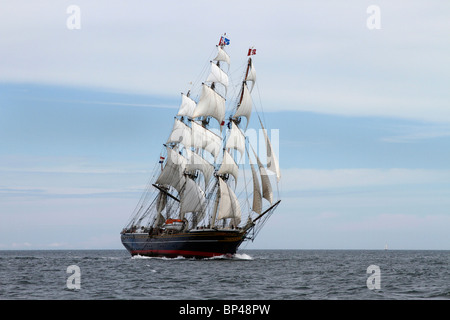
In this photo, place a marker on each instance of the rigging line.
(141, 203)
(238, 85)
(147, 212)
(202, 74)
(240, 192)
(236, 90)
(260, 102)
(232, 87)
(262, 109)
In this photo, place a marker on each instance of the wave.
(236, 256)
(137, 257)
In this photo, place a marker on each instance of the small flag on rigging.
(161, 159)
(251, 52)
(224, 41)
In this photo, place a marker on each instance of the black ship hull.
(192, 244)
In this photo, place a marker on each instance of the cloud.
(107, 103)
(410, 134)
(315, 179)
(396, 221)
(67, 165)
(57, 245)
(45, 177)
(16, 245)
(317, 57)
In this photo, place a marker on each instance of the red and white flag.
(251, 52)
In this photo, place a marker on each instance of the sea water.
(249, 275)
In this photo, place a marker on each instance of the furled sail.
(187, 106)
(192, 198)
(236, 139)
(217, 75)
(181, 133)
(229, 166)
(245, 107)
(172, 174)
(211, 104)
(229, 206)
(205, 139)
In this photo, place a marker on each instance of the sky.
(361, 107)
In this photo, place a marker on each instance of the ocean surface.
(250, 275)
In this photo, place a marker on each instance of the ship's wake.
(236, 256)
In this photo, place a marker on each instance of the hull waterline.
(194, 244)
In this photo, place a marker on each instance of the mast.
(244, 107)
(249, 63)
(216, 207)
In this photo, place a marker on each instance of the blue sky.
(363, 116)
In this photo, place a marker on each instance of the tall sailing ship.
(210, 190)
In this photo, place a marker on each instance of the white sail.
(181, 133)
(245, 107)
(272, 161)
(229, 205)
(161, 202)
(265, 181)
(187, 106)
(236, 139)
(205, 139)
(217, 75)
(192, 198)
(211, 104)
(235, 207)
(196, 162)
(257, 198)
(229, 166)
(266, 185)
(172, 174)
(160, 205)
(222, 56)
(251, 76)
